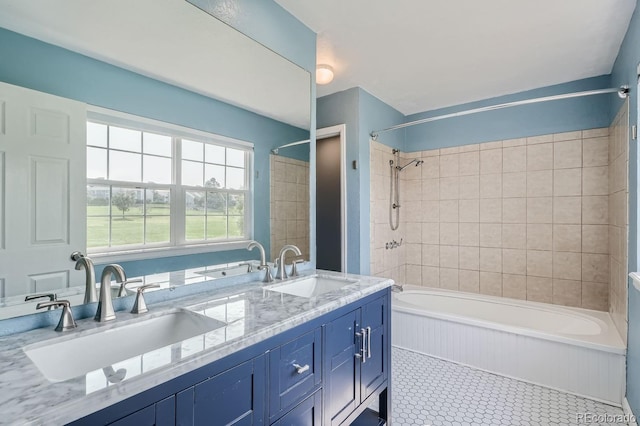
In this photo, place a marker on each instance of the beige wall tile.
(595, 180)
(469, 258)
(595, 239)
(449, 234)
(469, 210)
(567, 238)
(430, 168)
(539, 139)
(567, 210)
(490, 211)
(514, 236)
(449, 257)
(430, 211)
(430, 276)
(449, 165)
(413, 233)
(540, 157)
(567, 265)
(469, 187)
(430, 255)
(595, 152)
(595, 133)
(449, 211)
(567, 136)
(431, 233)
(567, 182)
(540, 210)
(490, 235)
(450, 188)
(595, 296)
(470, 148)
(449, 278)
(539, 236)
(514, 286)
(469, 234)
(469, 163)
(567, 154)
(491, 185)
(514, 159)
(490, 259)
(595, 267)
(514, 210)
(514, 142)
(491, 283)
(539, 289)
(514, 185)
(430, 189)
(595, 210)
(413, 275)
(491, 145)
(450, 150)
(539, 263)
(568, 293)
(469, 281)
(491, 161)
(540, 183)
(514, 261)
(413, 254)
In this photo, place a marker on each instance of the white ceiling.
(172, 41)
(422, 55)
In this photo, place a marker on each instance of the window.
(154, 186)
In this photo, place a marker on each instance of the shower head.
(415, 160)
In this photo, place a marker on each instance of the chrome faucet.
(66, 322)
(263, 261)
(105, 310)
(282, 271)
(83, 262)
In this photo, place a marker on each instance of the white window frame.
(177, 245)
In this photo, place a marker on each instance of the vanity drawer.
(294, 372)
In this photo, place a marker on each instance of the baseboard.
(628, 413)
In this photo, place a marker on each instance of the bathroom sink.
(63, 359)
(224, 272)
(312, 286)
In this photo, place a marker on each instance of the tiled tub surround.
(27, 397)
(289, 204)
(570, 349)
(525, 218)
(619, 218)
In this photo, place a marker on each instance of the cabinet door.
(295, 372)
(373, 368)
(307, 413)
(162, 413)
(234, 397)
(342, 386)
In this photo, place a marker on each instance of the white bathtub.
(571, 349)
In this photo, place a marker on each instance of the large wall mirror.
(145, 51)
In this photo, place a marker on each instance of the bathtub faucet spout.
(397, 288)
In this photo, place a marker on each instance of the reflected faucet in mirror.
(280, 265)
(83, 262)
(105, 311)
(263, 261)
(51, 296)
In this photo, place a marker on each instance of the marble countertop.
(251, 313)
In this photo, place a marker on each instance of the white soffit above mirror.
(172, 41)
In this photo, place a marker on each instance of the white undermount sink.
(312, 286)
(63, 359)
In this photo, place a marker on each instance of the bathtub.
(569, 349)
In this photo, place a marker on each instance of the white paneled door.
(42, 190)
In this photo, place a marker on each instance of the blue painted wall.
(359, 111)
(624, 72)
(529, 120)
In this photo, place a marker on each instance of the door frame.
(329, 132)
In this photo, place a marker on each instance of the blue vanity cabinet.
(357, 361)
(307, 413)
(234, 397)
(162, 413)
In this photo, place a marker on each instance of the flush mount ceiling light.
(324, 74)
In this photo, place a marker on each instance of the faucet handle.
(122, 292)
(52, 297)
(140, 306)
(66, 318)
(294, 267)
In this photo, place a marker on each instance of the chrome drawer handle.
(301, 369)
(363, 351)
(368, 342)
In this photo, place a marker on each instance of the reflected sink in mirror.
(63, 359)
(311, 287)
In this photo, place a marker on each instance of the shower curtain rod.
(275, 150)
(622, 91)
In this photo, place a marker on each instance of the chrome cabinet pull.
(363, 349)
(358, 355)
(368, 342)
(301, 369)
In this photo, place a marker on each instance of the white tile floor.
(433, 392)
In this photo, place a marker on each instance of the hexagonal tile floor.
(428, 391)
